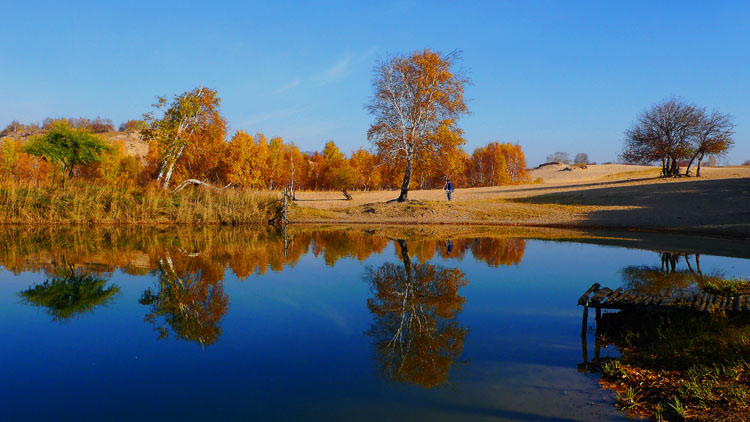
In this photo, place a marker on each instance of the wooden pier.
(599, 298)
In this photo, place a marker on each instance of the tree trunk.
(403, 246)
(407, 180)
(698, 169)
(171, 168)
(687, 170)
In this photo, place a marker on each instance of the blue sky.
(552, 76)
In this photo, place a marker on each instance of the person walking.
(448, 188)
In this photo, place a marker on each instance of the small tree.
(662, 133)
(69, 147)
(562, 157)
(133, 125)
(581, 158)
(712, 136)
(415, 96)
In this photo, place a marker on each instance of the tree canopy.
(673, 130)
(417, 100)
(68, 146)
(191, 123)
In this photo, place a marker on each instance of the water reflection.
(70, 294)
(188, 299)
(667, 278)
(244, 251)
(415, 329)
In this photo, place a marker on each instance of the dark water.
(240, 324)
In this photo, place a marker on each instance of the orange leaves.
(496, 165)
(244, 161)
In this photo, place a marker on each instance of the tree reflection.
(189, 303)
(667, 278)
(70, 294)
(415, 330)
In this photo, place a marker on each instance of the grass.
(86, 203)
(726, 287)
(680, 365)
(635, 174)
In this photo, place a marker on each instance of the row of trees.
(248, 161)
(417, 101)
(563, 157)
(95, 125)
(673, 131)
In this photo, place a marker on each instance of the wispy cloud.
(287, 87)
(336, 71)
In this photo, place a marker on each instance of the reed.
(86, 203)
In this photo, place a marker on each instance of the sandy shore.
(601, 196)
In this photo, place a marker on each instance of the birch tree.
(415, 96)
(189, 115)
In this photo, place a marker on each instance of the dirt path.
(611, 196)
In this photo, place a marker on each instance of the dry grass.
(84, 203)
(611, 196)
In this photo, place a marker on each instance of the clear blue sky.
(553, 76)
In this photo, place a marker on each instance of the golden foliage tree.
(192, 124)
(415, 97)
(245, 160)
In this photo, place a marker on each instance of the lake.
(320, 323)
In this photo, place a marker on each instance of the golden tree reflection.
(191, 303)
(70, 294)
(415, 331)
(667, 278)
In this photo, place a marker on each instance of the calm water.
(240, 324)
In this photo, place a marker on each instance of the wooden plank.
(585, 297)
(601, 294)
(704, 301)
(736, 303)
(715, 304)
(696, 301)
(613, 296)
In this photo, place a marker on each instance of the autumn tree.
(8, 156)
(337, 172)
(416, 332)
(712, 136)
(245, 160)
(515, 162)
(294, 166)
(488, 166)
(662, 133)
(190, 120)
(415, 95)
(68, 147)
(366, 169)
